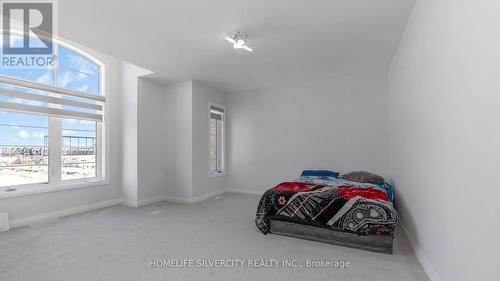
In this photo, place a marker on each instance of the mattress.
(330, 207)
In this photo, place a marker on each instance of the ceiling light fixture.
(239, 40)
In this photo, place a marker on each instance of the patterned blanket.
(364, 209)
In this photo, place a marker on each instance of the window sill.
(45, 188)
(218, 175)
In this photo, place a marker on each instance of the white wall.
(339, 123)
(179, 152)
(156, 147)
(445, 113)
(202, 96)
(151, 138)
(186, 118)
(129, 112)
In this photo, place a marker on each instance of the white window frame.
(55, 182)
(212, 174)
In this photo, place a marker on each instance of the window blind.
(216, 112)
(31, 97)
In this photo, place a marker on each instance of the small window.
(216, 140)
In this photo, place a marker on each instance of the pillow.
(363, 177)
(319, 173)
(316, 180)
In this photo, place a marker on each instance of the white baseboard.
(151, 200)
(128, 203)
(197, 199)
(62, 213)
(4, 222)
(51, 216)
(245, 191)
(178, 199)
(206, 196)
(143, 202)
(422, 259)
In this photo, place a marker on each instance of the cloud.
(67, 132)
(10, 139)
(67, 78)
(8, 87)
(28, 102)
(23, 134)
(45, 78)
(83, 88)
(82, 65)
(75, 67)
(38, 135)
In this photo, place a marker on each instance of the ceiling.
(292, 39)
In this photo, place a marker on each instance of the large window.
(51, 122)
(216, 140)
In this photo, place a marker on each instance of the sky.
(75, 72)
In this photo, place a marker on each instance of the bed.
(331, 210)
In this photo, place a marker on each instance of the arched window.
(51, 120)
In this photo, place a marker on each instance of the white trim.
(422, 259)
(50, 216)
(206, 196)
(197, 199)
(151, 200)
(4, 222)
(178, 199)
(33, 189)
(223, 145)
(245, 191)
(100, 144)
(129, 203)
(55, 151)
(143, 202)
(203, 197)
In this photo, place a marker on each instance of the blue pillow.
(319, 173)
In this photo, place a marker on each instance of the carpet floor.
(124, 243)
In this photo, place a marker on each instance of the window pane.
(77, 72)
(37, 68)
(212, 137)
(215, 138)
(78, 149)
(23, 149)
(219, 145)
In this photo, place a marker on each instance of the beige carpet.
(118, 243)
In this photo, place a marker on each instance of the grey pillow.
(361, 176)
